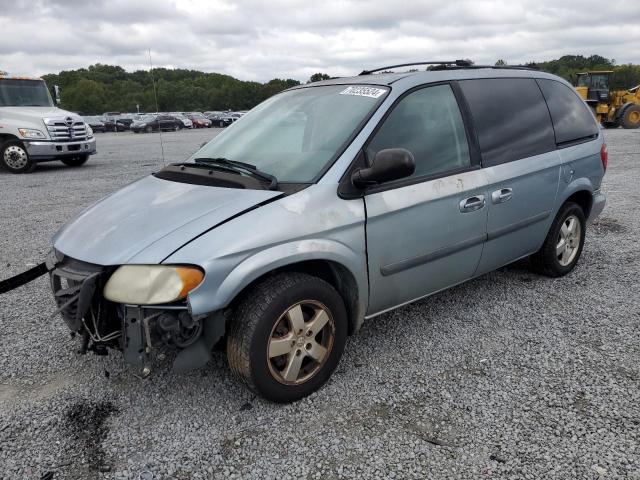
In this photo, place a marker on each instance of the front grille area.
(74, 285)
(66, 130)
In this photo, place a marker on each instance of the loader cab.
(593, 87)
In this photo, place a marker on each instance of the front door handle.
(502, 195)
(472, 204)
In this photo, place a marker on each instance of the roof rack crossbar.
(457, 63)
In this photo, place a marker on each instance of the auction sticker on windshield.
(364, 91)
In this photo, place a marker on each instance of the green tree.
(316, 77)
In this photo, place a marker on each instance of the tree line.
(105, 88)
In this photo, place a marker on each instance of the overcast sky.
(260, 40)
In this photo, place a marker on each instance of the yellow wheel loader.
(611, 108)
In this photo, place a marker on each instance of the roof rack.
(455, 64)
(458, 63)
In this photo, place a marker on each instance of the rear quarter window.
(572, 119)
(510, 117)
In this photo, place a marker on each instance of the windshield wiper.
(242, 166)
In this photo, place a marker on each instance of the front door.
(425, 233)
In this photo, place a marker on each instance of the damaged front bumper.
(133, 329)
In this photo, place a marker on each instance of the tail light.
(604, 156)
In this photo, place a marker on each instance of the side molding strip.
(397, 267)
(517, 225)
(393, 268)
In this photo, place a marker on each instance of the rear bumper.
(41, 151)
(599, 201)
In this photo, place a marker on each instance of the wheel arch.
(584, 198)
(7, 137)
(581, 192)
(332, 272)
(329, 260)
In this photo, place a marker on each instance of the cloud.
(258, 40)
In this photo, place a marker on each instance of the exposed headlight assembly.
(151, 284)
(31, 133)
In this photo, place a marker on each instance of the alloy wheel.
(568, 242)
(300, 342)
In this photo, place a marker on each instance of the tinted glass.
(428, 123)
(572, 119)
(511, 118)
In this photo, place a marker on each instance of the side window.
(428, 123)
(572, 119)
(511, 118)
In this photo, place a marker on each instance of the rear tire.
(631, 117)
(75, 161)
(287, 336)
(562, 248)
(15, 158)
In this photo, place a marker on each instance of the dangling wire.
(155, 94)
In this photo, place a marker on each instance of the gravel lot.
(508, 376)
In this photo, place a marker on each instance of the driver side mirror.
(389, 164)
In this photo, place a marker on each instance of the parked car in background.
(199, 120)
(112, 124)
(96, 123)
(125, 119)
(185, 120)
(221, 120)
(154, 123)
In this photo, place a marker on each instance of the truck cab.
(33, 129)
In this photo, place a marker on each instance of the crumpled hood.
(149, 219)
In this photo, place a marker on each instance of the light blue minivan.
(325, 206)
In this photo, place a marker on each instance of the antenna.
(155, 94)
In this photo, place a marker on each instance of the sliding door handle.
(472, 204)
(502, 195)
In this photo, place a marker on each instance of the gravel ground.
(510, 375)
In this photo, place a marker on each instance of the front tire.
(148, 129)
(287, 336)
(563, 246)
(15, 158)
(631, 117)
(75, 161)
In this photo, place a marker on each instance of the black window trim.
(535, 79)
(347, 190)
(575, 141)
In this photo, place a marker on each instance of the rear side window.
(572, 119)
(511, 118)
(428, 123)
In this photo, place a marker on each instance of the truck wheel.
(287, 336)
(562, 247)
(75, 161)
(14, 157)
(631, 117)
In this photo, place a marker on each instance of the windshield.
(295, 134)
(24, 93)
(148, 118)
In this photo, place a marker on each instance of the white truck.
(33, 129)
